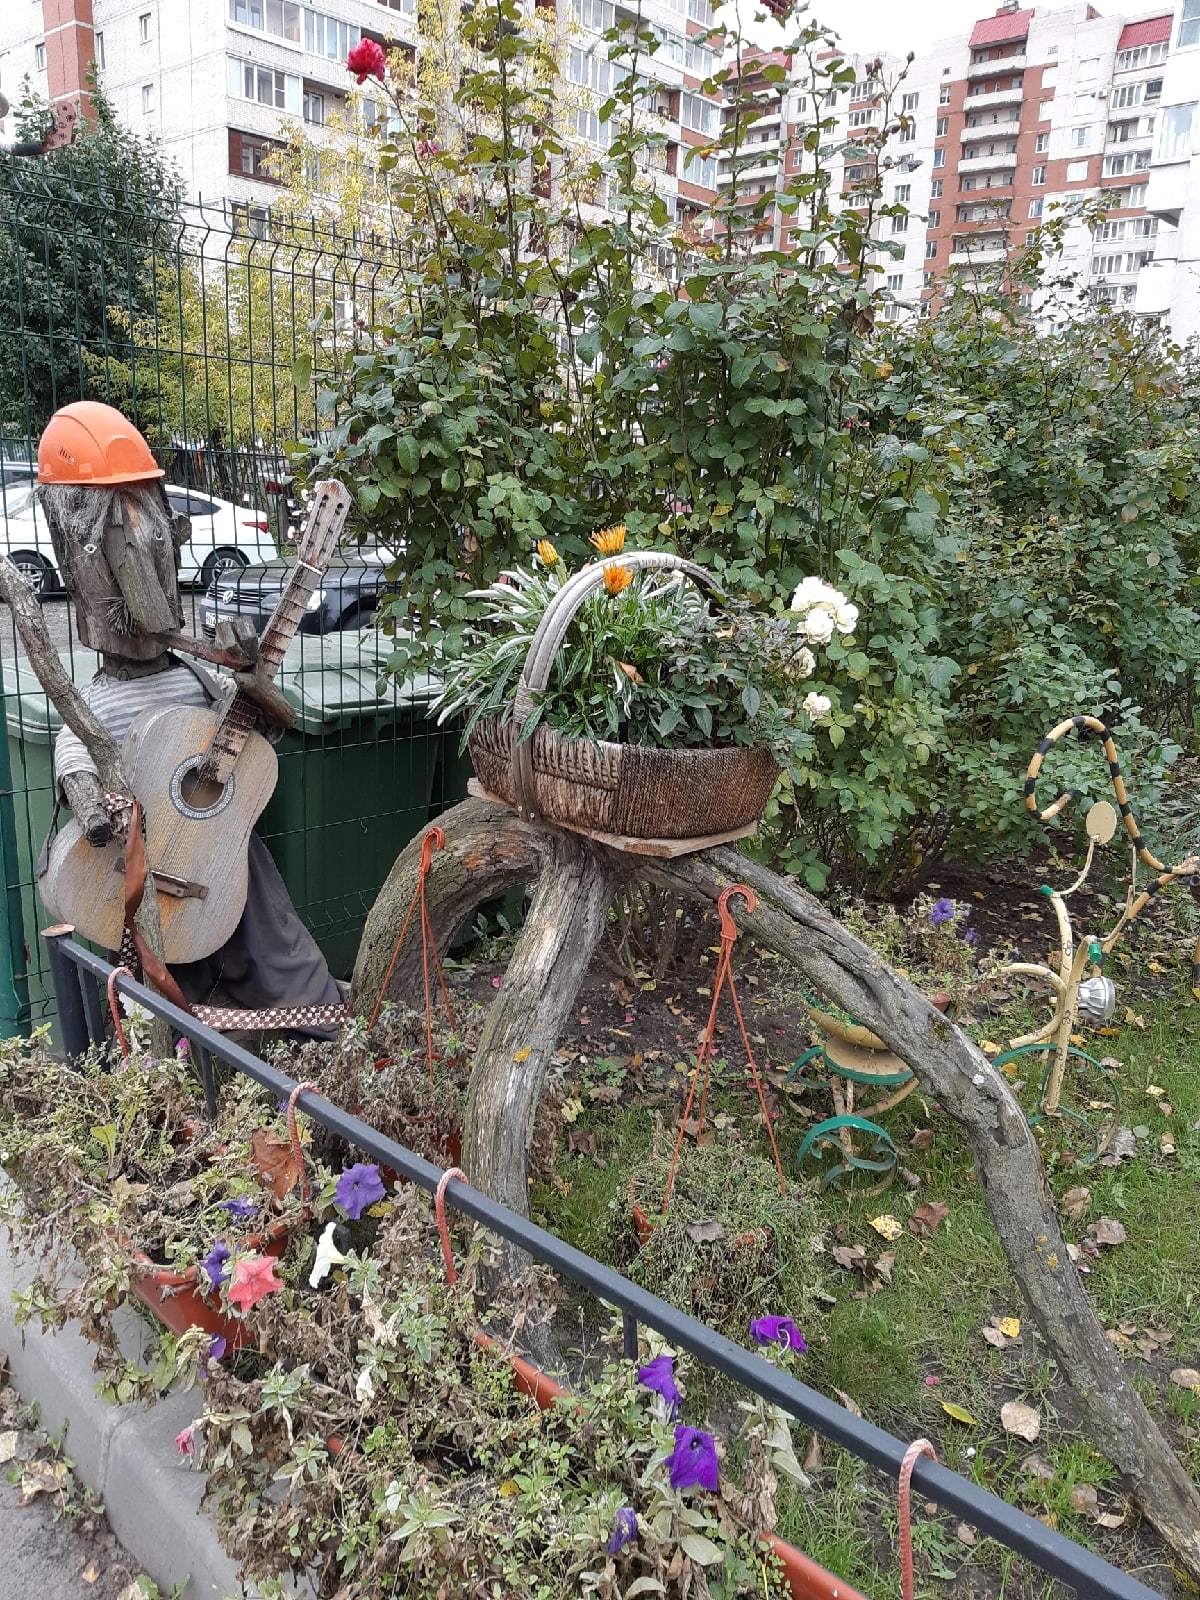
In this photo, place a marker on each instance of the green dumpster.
(359, 775)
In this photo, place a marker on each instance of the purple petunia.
(941, 911)
(183, 1049)
(241, 1209)
(693, 1462)
(625, 1530)
(970, 936)
(358, 1187)
(214, 1264)
(778, 1330)
(217, 1347)
(659, 1376)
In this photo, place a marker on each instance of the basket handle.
(549, 635)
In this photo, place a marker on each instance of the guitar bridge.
(168, 883)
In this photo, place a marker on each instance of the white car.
(223, 536)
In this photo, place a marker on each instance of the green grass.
(880, 1348)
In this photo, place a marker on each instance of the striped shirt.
(116, 702)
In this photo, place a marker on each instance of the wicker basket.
(620, 790)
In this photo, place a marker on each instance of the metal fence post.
(72, 1026)
(14, 985)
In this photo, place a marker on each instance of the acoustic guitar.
(203, 776)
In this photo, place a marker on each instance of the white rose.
(804, 663)
(817, 705)
(819, 625)
(846, 616)
(809, 592)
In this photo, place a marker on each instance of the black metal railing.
(79, 979)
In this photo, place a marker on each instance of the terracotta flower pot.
(179, 1300)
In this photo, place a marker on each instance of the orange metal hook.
(729, 928)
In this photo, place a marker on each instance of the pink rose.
(367, 60)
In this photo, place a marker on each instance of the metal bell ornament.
(1097, 999)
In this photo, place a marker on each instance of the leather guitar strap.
(135, 889)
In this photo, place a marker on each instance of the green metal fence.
(215, 329)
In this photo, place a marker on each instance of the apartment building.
(221, 82)
(1028, 110)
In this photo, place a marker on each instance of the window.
(1038, 177)
(314, 108)
(598, 15)
(1145, 55)
(144, 27)
(935, 189)
(39, 57)
(900, 224)
(668, 46)
(1080, 137)
(944, 95)
(860, 119)
(701, 170)
(1035, 209)
(1130, 161)
(1175, 134)
(1189, 23)
(909, 102)
(591, 72)
(703, 116)
(895, 281)
(1041, 144)
(908, 133)
(253, 220)
(278, 17)
(1049, 77)
(935, 218)
(1153, 90)
(931, 249)
(927, 280)
(1045, 110)
(700, 11)
(939, 156)
(942, 128)
(1135, 196)
(903, 194)
(323, 35)
(867, 89)
(147, 97)
(701, 62)
(266, 85)
(1076, 171)
(1089, 69)
(254, 158)
(99, 50)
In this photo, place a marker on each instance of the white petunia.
(846, 616)
(328, 1255)
(819, 625)
(364, 1389)
(817, 705)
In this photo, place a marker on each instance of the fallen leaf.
(1132, 1018)
(523, 1054)
(922, 1139)
(887, 1226)
(850, 1256)
(90, 1573)
(1186, 1378)
(706, 1232)
(812, 1455)
(8, 1446)
(1084, 1500)
(275, 1161)
(581, 1142)
(850, 1405)
(1122, 1147)
(1016, 1417)
(1107, 1230)
(42, 1477)
(989, 1048)
(964, 1535)
(1076, 1202)
(927, 1219)
(510, 1488)
(1154, 1091)
(1142, 1130)
(959, 1413)
(883, 1267)
(1035, 1466)
(1166, 1144)
(996, 1338)
(1111, 1519)
(1010, 1327)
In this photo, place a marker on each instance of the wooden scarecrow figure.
(117, 545)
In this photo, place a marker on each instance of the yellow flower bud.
(547, 553)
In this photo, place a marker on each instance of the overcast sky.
(895, 25)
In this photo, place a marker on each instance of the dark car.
(349, 595)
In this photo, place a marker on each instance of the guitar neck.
(327, 517)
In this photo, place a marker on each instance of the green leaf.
(751, 700)
(302, 369)
(701, 1550)
(959, 1413)
(408, 454)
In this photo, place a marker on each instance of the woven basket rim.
(607, 745)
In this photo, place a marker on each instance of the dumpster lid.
(28, 709)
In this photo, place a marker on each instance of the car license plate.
(208, 617)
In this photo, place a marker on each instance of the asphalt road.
(46, 1557)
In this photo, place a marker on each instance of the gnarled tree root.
(488, 849)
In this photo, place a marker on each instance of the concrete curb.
(125, 1453)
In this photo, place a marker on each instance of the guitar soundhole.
(197, 795)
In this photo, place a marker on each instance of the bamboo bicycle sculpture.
(1092, 997)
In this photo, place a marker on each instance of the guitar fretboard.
(327, 516)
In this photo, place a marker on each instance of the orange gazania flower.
(610, 541)
(617, 578)
(547, 552)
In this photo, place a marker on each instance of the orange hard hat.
(91, 443)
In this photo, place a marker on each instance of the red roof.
(1005, 25)
(1155, 31)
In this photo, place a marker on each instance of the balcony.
(991, 130)
(997, 163)
(764, 166)
(997, 97)
(978, 258)
(1167, 189)
(997, 69)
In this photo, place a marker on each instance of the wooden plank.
(658, 849)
